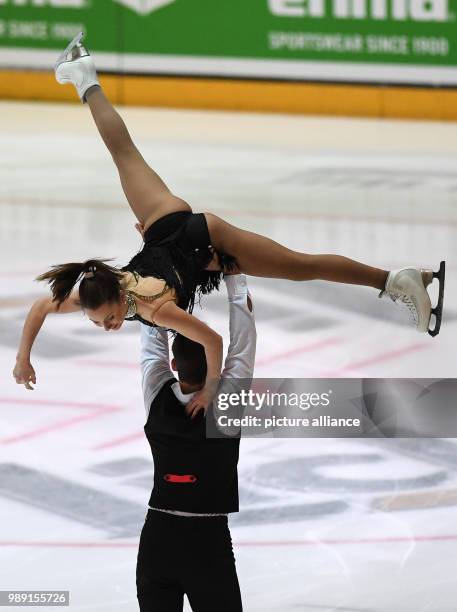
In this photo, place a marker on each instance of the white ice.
(350, 525)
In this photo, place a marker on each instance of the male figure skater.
(185, 545)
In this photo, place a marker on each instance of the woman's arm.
(23, 371)
(171, 316)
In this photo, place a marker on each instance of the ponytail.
(99, 282)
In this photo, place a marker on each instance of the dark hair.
(99, 285)
(190, 360)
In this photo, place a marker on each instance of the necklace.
(131, 305)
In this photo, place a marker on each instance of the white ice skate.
(409, 285)
(75, 66)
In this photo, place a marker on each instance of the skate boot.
(409, 285)
(75, 66)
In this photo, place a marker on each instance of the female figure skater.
(186, 253)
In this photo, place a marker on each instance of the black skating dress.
(177, 248)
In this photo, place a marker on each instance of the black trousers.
(190, 556)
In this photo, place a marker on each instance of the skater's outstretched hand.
(24, 374)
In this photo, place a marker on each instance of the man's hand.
(24, 374)
(215, 265)
(234, 270)
(201, 400)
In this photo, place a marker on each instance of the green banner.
(384, 40)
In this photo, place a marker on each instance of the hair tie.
(91, 272)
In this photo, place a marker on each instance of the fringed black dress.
(177, 248)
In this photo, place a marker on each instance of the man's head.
(189, 360)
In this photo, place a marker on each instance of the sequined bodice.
(148, 289)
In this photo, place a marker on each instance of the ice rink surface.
(325, 525)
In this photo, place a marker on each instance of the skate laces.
(408, 301)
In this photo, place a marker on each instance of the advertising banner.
(385, 41)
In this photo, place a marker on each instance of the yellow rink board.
(245, 95)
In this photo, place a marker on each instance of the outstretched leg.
(259, 256)
(145, 191)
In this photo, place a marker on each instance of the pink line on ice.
(247, 543)
(298, 350)
(330, 542)
(413, 348)
(58, 403)
(99, 410)
(119, 441)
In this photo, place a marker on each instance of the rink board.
(341, 57)
(245, 95)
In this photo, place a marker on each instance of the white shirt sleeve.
(239, 363)
(240, 359)
(155, 362)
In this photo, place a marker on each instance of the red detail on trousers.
(180, 478)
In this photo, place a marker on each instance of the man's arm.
(155, 362)
(240, 359)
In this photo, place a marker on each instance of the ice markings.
(302, 474)
(77, 502)
(372, 178)
(122, 467)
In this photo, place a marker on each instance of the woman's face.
(110, 316)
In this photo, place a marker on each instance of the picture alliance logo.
(142, 7)
(379, 10)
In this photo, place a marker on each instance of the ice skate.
(409, 285)
(76, 66)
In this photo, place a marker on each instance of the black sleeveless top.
(177, 249)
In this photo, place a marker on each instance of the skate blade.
(438, 310)
(76, 41)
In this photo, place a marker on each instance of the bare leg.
(260, 256)
(145, 191)
(256, 255)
